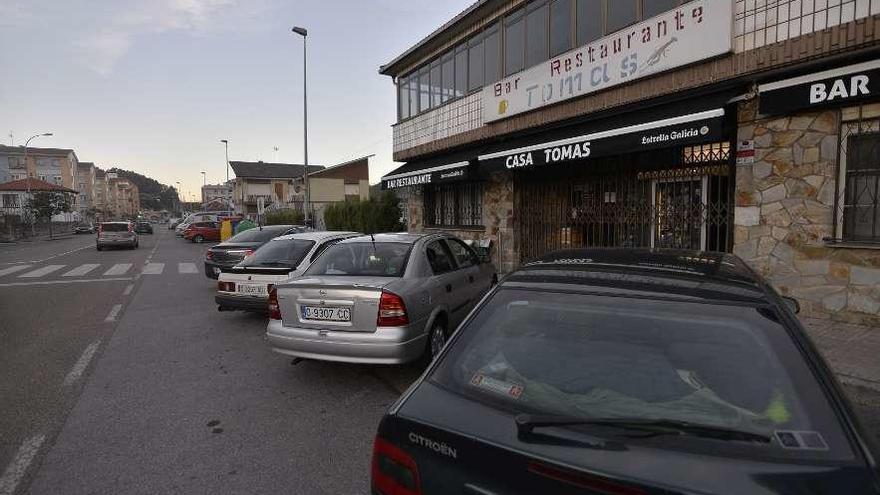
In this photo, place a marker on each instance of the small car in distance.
(627, 371)
(231, 251)
(84, 228)
(202, 231)
(143, 227)
(116, 234)
(246, 285)
(380, 299)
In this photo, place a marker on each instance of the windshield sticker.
(507, 389)
(800, 440)
(776, 410)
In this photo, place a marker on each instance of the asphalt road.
(119, 375)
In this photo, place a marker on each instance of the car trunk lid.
(332, 302)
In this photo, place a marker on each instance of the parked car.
(230, 252)
(388, 298)
(202, 231)
(84, 228)
(627, 372)
(116, 234)
(247, 284)
(143, 228)
(173, 223)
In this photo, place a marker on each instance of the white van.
(200, 216)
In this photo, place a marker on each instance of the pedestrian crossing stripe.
(153, 269)
(187, 268)
(13, 269)
(81, 270)
(40, 272)
(117, 269)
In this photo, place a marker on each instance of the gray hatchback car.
(383, 299)
(116, 234)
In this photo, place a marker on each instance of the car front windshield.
(114, 227)
(375, 259)
(257, 234)
(590, 357)
(283, 253)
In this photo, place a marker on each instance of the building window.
(861, 183)
(514, 42)
(650, 8)
(493, 57)
(447, 84)
(424, 89)
(560, 27)
(461, 70)
(10, 200)
(454, 205)
(537, 36)
(475, 63)
(58, 179)
(620, 14)
(589, 21)
(403, 98)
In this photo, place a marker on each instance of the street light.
(226, 143)
(177, 193)
(304, 33)
(28, 175)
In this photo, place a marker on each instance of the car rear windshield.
(114, 227)
(376, 259)
(281, 253)
(593, 356)
(258, 235)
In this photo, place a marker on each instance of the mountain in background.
(153, 194)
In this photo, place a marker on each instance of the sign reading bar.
(433, 175)
(692, 32)
(842, 86)
(681, 131)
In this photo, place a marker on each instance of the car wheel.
(436, 341)
(198, 239)
(100, 248)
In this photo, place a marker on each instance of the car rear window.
(593, 356)
(258, 235)
(376, 259)
(114, 227)
(288, 252)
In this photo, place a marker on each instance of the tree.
(43, 205)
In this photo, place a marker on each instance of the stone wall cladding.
(785, 208)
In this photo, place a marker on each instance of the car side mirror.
(792, 304)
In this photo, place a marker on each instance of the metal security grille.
(858, 204)
(666, 199)
(454, 205)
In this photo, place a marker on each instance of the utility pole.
(304, 33)
(226, 143)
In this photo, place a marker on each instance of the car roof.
(666, 272)
(312, 236)
(402, 237)
(118, 221)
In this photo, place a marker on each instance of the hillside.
(153, 194)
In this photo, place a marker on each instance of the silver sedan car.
(383, 299)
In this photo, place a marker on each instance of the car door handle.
(448, 287)
(471, 278)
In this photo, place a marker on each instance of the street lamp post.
(226, 143)
(204, 183)
(177, 193)
(304, 33)
(27, 176)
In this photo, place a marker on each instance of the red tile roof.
(35, 185)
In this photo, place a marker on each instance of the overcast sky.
(153, 85)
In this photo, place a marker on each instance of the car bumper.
(393, 345)
(116, 242)
(246, 303)
(212, 270)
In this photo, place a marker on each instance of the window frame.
(474, 259)
(453, 265)
(462, 195)
(850, 131)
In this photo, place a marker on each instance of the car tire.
(437, 338)
(100, 248)
(198, 239)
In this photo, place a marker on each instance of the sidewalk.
(853, 351)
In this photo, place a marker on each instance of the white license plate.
(326, 314)
(216, 271)
(257, 290)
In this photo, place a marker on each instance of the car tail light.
(100, 228)
(594, 484)
(209, 255)
(248, 252)
(392, 311)
(130, 227)
(394, 471)
(226, 286)
(274, 309)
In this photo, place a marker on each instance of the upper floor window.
(561, 39)
(620, 14)
(514, 42)
(537, 33)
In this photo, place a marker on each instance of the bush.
(373, 216)
(283, 217)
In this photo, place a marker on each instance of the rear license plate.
(216, 271)
(256, 290)
(326, 314)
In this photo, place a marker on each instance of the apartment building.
(53, 165)
(85, 186)
(101, 194)
(123, 198)
(713, 125)
(220, 194)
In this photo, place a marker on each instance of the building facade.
(714, 125)
(54, 165)
(85, 185)
(218, 194)
(268, 184)
(101, 194)
(14, 196)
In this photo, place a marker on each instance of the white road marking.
(154, 269)
(81, 270)
(13, 269)
(71, 281)
(128, 289)
(41, 272)
(18, 467)
(117, 269)
(187, 268)
(81, 364)
(113, 313)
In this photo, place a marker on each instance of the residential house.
(269, 183)
(337, 183)
(709, 125)
(219, 194)
(85, 184)
(14, 196)
(54, 165)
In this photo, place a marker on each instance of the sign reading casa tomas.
(692, 32)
